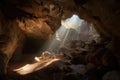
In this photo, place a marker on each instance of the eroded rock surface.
(39, 19)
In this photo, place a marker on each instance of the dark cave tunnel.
(59, 40)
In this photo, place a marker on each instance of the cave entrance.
(72, 29)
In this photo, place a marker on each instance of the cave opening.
(71, 29)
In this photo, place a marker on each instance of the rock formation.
(37, 20)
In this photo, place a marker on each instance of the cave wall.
(106, 13)
(39, 19)
(27, 18)
(105, 16)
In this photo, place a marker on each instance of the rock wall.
(39, 19)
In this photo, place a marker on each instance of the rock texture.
(39, 19)
(73, 62)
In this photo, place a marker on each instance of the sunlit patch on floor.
(41, 62)
(37, 59)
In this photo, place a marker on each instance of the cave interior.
(59, 40)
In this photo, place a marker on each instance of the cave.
(59, 40)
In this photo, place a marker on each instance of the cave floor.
(76, 63)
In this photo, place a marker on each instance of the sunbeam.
(67, 32)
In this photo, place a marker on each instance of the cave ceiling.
(43, 17)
